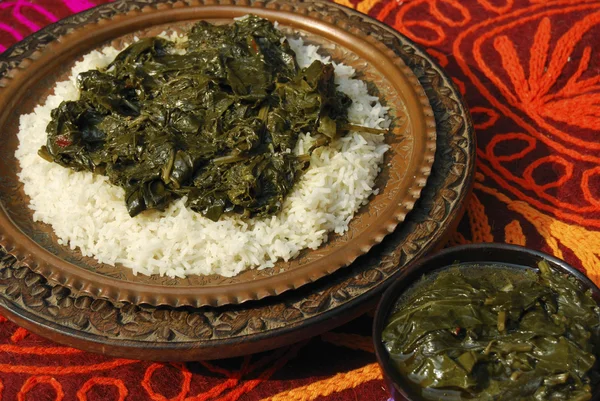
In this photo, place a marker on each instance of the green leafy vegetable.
(214, 121)
(491, 333)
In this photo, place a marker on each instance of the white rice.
(89, 213)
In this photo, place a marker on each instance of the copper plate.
(404, 172)
(165, 333)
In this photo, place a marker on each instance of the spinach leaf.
(213, 119)
(489, 333)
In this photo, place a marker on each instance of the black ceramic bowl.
(502, 254)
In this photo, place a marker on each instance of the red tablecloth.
(530, 71)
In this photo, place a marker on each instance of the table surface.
(530, 71)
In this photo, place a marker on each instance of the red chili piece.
(63, 141)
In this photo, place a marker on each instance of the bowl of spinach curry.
(490, 322)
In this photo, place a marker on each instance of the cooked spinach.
(214, 119)
(488, 333)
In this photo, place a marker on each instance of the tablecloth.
(530, 71)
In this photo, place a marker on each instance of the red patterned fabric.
(530, 71)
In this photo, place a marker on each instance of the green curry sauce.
(214, 119)
(496, 333)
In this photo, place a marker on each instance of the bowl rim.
(429, 265)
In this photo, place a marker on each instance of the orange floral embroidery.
(478, 220)
(540, 89)
(512, 138)
(35, 380)
(102, 381)
(154, 396)
(323, 388)
(460, 85)
(492, 116)
(21, 350)
(387, 9)
(497, 9)
(523, 96)
(513, 233)
(63, 370)
(585, 186)
(581, 241)
(573, 103)
(405, 24)
(19, 334)
(439, 56)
